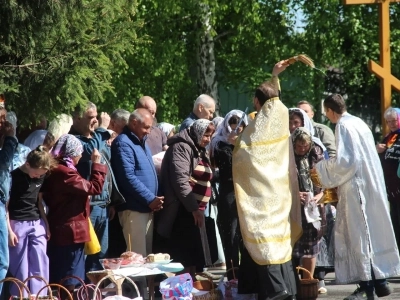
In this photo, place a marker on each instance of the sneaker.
(360, 294)
(383, 290)
(216, 267)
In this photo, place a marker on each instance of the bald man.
(156, 139)
(203, 108)
(137, 181)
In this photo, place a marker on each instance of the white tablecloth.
(153, 269)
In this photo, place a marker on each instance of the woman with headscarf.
(299, 118)
(325, 258)
(389, 154)
(167, 128)
(221, 153)
(307, 154)
(186, 174)
(67, 196)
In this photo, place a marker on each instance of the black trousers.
(265, 280)
(228, 226)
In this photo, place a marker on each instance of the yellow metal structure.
(383, 69)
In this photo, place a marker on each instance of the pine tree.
(55, 55)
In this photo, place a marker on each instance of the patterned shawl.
(66, 148)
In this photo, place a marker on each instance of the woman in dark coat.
(186, 174)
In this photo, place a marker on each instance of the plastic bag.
(92, 246)
(177, 287)
(157, 160)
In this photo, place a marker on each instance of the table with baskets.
(148, 270)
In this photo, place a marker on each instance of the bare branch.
(22, 66)
(222, 34)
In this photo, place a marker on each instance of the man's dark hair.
(336, 103)
(266, 91)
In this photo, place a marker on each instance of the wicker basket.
(206, 285)
(308, 289)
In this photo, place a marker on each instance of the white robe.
(364, 235)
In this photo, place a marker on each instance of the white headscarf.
(223, 130)
(217, 122)
(309, 126)
(166, 127)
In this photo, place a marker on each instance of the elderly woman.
(325, 260)
(67, 195)
(186, 174)
(307, 154)
(389, 153)
(221, 153)
(167, 128)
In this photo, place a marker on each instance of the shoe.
(322, 290)
(210, 275)
(360, 294)
(383, 290)
(321, 287)
(216, 267)
(278, 296)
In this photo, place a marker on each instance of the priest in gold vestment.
(265, 181)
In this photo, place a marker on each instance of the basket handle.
(209, 279)
(307, 272)
(21, 285)
(51, 293)
(17, 284)
(83, 286)
(112, 277)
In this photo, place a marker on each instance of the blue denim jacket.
(6, 158)
(99, 141)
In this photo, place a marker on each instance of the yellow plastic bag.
(92, 246)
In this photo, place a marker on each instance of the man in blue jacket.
(8, 148)
(93, 134)
(134, 171)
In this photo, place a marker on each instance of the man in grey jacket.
(323, 132)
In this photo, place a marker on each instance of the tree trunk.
(206, 75)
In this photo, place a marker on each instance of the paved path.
(338, 292)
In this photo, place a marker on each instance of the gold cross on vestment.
(383, 69)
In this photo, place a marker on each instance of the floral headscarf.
(302, 163)
(198, 128)
(66, 148)
(223, 131)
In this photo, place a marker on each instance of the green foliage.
(56, 55)
(248, 35)
(342, 39)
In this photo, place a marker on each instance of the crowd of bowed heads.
(151, 187)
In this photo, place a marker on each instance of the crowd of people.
(262, 177)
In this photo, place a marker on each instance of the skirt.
(185, 244)
(309, 245)
(264, 280)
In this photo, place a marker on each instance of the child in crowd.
(27, 223)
